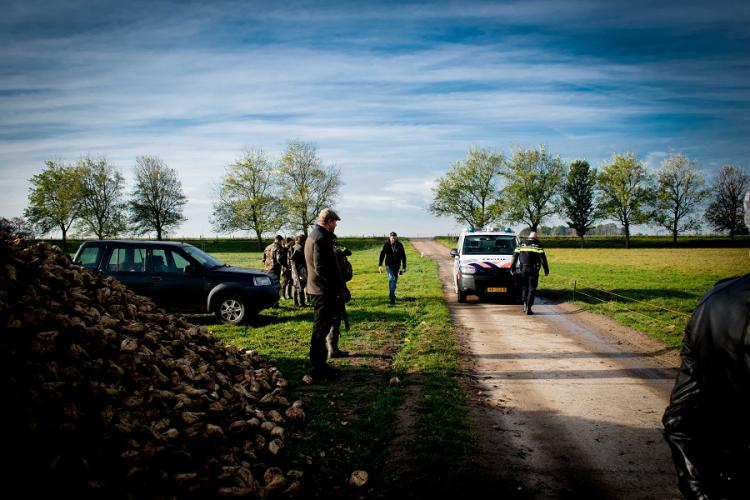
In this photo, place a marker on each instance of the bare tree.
(626, 191)
(533, 189)
(680, 192)
(54, 199)
(157, 199)
(725, 211)
(102, 204)
(469, 191)
(306, 186)
(247, 199)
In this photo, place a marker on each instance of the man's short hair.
(327, 214)
(279, 238)
(393, 233)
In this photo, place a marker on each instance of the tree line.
(256, 194)
(532, 185)
(88, 196)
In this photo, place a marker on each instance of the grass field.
(351, 423)
(653, 290)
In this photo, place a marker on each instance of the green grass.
(656, 289)
(351, 422)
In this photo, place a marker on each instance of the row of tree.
(256, 194)
(89, 196)
(532, 185)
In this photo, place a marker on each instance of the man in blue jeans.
(394, 255)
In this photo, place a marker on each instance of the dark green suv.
(181, 277)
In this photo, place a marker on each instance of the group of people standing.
(286, 259)
(313, 270)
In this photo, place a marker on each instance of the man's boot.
(332, 343)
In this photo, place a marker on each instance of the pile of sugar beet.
(104, 395)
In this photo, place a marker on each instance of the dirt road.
(567, 404)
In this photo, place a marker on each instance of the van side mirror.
(454, 252)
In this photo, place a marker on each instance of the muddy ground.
(567, 404)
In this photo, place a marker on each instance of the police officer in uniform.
(530, 253)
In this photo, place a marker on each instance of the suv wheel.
(231, 310)
(461, 296)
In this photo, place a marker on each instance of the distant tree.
(247, 199)
(679, 193)
(725, 211)
(54, 199)
(103, 208)
(609, 229)
(578, 199)
(18, 226)
(532, 191)
(626, 191)
(469, 191)
(157, 199)
(306, 186)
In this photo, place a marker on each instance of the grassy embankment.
(651, 289)
(352, 422)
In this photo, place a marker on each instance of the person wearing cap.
(707, 422)
(530, 254)
(394, 255)
(324, 289)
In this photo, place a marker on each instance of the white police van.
(482, 264)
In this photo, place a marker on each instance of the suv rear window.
(489, 244)
(125, 260)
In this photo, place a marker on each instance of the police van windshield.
(489, 244)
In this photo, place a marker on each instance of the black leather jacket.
(707, 422)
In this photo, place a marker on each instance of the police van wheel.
(461, 296)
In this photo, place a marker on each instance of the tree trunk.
(627, 235)
(64, 239)
(158, 233)
(260, 241)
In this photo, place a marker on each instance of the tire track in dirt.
(566, 404)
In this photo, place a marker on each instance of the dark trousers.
(325, 312)
(529, 282)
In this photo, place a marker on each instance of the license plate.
(496, 289)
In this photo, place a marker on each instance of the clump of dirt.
(105, 395)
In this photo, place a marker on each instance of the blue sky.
(391, 93)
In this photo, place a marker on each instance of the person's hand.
(380, 269)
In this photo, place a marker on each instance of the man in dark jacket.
(324, 289)
(707, 422)
(394, 255)
(273, 255)
(530, 254)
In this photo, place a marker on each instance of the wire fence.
(635, 315)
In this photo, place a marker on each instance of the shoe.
(529, 312)
(525, 307)
(339, 354)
